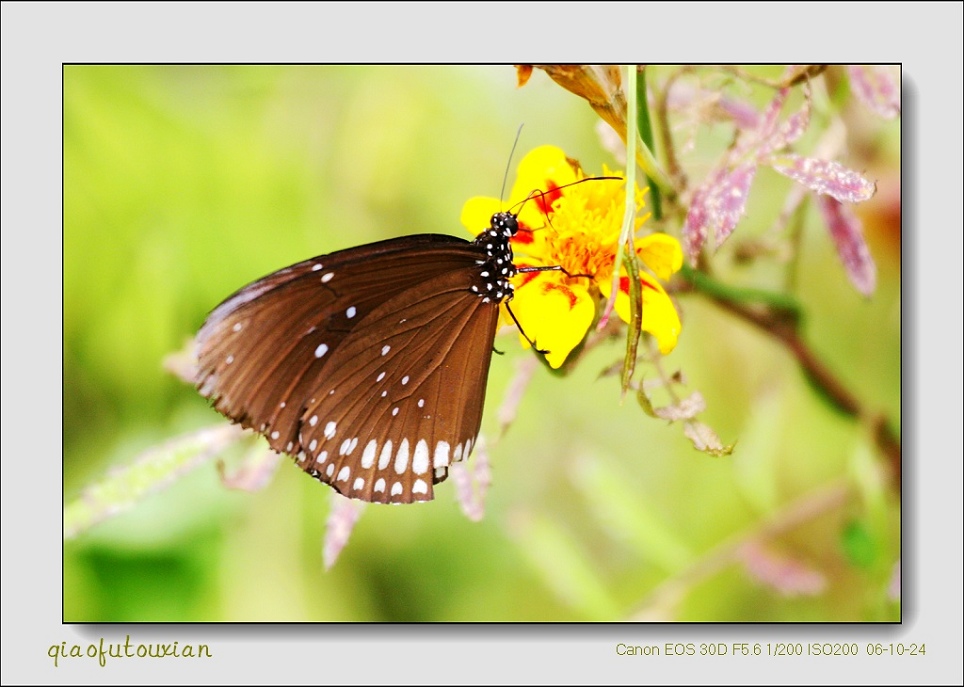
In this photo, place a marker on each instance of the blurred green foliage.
(181, 184)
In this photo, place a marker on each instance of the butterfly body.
(367, 365)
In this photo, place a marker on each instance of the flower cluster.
(576, 227)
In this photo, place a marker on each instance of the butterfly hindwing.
(393, 412)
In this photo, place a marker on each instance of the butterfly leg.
(521, 330)
(553, 268)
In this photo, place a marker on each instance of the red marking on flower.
(552, 286)
(545, 199)
(624, 285)
(523, 236)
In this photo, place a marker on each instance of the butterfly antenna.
(537, 193)
(508, 164)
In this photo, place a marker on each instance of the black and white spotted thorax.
(499, 267)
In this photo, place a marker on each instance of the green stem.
(704, 283)
(646, 132)
(627, 252)
(635, 316)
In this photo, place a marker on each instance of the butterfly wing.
(395, 411)
(288, 338)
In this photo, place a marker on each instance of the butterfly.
(367, 365)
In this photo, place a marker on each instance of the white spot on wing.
(441, 457)
(386, 455)
(330, 430)
(350, 313)
(344, 473)
(359, 483)
(385, 349)
(396, 488)
(420, 458)
(327, 278)
(380, 484)
(401, 458)
(321, 350)
(420, 487)
(368, 456)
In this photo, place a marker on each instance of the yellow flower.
(577, 228)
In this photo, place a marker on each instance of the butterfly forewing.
(395, 411)
(298, 354)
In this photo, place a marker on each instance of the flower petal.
(661, 253)
(543, 170)
(555, 315)
(477, 213)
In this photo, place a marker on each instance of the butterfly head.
(505, 224)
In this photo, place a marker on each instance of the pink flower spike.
(716, 207)
(770, 117)
(788, 132)
(825, 177)
(254, 472)
(342, 517)
(877, 88)
(513, 396)
(847, 234)
(783, 574)
(691, 101)
(472, 481)
(742, 113)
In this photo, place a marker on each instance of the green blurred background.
(183, 183)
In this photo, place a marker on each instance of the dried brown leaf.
(705, 439)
